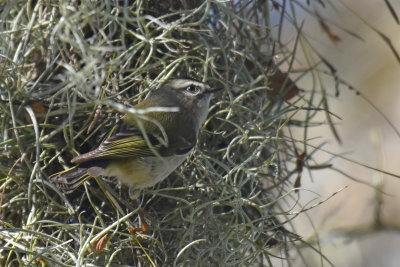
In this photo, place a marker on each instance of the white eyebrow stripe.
(184, 83)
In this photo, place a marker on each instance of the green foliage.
(67, 65)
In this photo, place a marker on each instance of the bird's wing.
(121, 146)
(124, 145)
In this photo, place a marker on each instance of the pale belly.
(144, 172)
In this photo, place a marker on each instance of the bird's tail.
(68, 180)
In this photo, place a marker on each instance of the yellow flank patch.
(130, 171)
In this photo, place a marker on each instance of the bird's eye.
(193, 89)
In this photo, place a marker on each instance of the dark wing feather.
(121, 146)
(131, 143)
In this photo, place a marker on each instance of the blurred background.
(359, 226)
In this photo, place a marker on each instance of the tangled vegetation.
(69, 71)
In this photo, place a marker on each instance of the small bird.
(148, 149)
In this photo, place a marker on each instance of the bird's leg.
(145, 226)
(133, 194)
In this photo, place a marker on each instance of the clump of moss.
(65, 64)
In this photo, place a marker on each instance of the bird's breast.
(144, 172)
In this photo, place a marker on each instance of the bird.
(148, 148)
